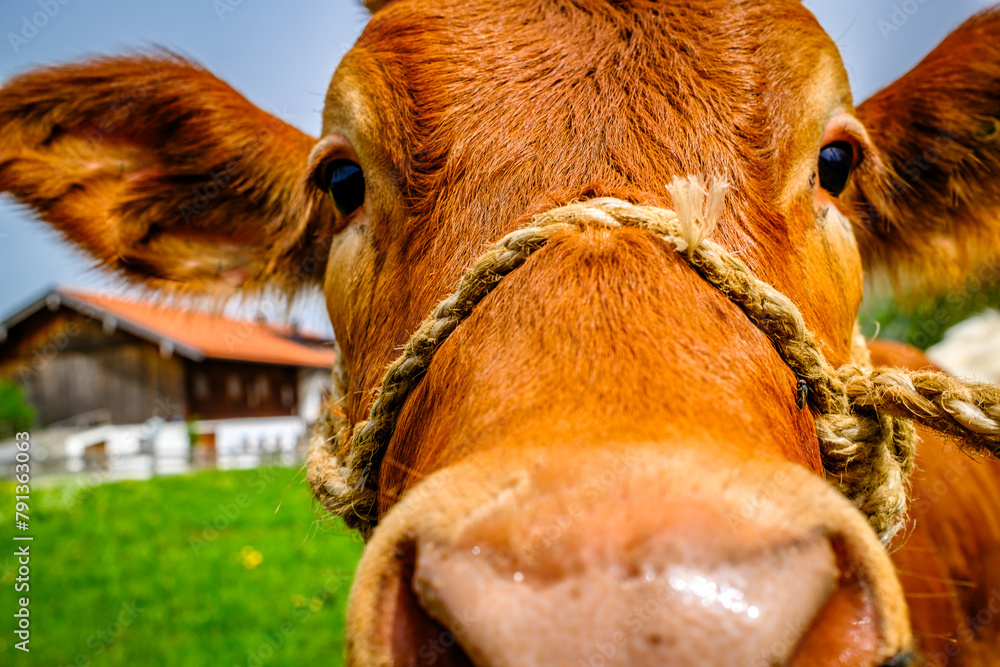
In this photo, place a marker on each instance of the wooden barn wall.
(69, 366)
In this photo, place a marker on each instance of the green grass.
(922, 318)
(218, 568)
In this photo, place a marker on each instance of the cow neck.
(863, 416)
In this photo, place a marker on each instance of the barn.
(95, 364)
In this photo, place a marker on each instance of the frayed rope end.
(698, 207)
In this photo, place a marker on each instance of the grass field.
(218, 568)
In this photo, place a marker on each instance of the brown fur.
(469, 116)
(549, 141)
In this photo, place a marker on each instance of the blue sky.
(281, 56)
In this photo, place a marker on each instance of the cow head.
(606, 462)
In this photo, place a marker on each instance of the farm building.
(102, 370)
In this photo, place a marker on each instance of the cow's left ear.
(926, 195)
(375, 5)
(163, 172)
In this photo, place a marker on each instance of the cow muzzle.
(628, 558)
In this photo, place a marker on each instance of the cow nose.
(655, 569)
(632, 611)
(646, 603)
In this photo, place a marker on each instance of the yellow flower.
(250, 557)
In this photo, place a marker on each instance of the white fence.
(156, 447)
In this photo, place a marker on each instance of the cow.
(606, 462)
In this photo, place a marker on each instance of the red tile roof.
(200, 335)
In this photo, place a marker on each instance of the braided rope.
(866, 438)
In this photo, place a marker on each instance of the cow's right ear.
(160, 170)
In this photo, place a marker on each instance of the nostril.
(417, 640)
(848, 630)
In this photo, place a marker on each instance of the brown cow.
(605, 463)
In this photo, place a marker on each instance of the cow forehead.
(620, 93)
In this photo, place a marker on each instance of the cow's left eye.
(836, 161)
(345, 182)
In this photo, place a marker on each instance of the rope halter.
(864, 416)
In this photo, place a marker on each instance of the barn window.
(287, 395)
(234, 388)
(253, 396)
(263, 386)
(200, 385)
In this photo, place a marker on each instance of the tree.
(15, 413)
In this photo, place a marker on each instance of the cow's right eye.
(345, 182)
